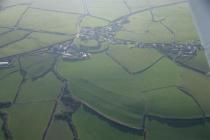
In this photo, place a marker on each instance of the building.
(4, 64)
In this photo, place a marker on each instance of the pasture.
(122, 83)
(28, 121)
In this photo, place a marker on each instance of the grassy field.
(184, 28)
(124, 109)
(137, 4)
(9, 87)
(133, 58)
(40, 90)
(159, 131)
(59, 130)
(11, 37)
(108, 82)
(10, 16)
(99, 8)
(198, 85)
(37, 64)
(93, 22)
(45, 20)
(75, 6)
(141, 28)
(170, 102)
(1, 132)
(28, 121)
(32, 42)
(90, 127)
(115, 88)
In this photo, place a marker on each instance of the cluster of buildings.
(73, 56)
(102, 34)
(69, 52)
(179, 49)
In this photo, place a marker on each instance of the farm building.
(4, 64)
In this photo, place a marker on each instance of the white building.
(4, 64)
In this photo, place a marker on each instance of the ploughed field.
(102, 69)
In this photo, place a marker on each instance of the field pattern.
(102, 69)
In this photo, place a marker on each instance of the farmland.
(101, 69)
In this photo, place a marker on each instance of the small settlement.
(70, 52)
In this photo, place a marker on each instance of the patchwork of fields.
(101, 69)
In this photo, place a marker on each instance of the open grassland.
(141, 28)
(28, 121)
(161, 131)
(8, 87)
(100, 69)
(75, 6)
(59, 130)
(37, 64)
(91, 127)
(93, 22)
(100, 8)
(198, 86)
(121, 87)
(32, 42)
(10, 16)
(120, 108)
(115, 88)
(179, 20)
(1, 132)
(137, 4)
(43, 89)
(11, 37)
(45, 20)
(134, 59)
(170, 102)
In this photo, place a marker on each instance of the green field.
(134, 59)
(99, 8)
(1, 132)
(40, 90)
(36, 65)
(93, 22)
(198, 85)
(9, 87)
(90, 127)
(43, 18)
(32, 42)
(59, 130)
(197, 132)
(9, 16)
(116, 87)
(11, 37)
(128, 81)
(142, 29)
(28, 121)
(170, 102)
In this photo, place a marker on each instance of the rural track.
(127, 6)
(148, 8)
(23, 14)
(135, 72)
(15, 41)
